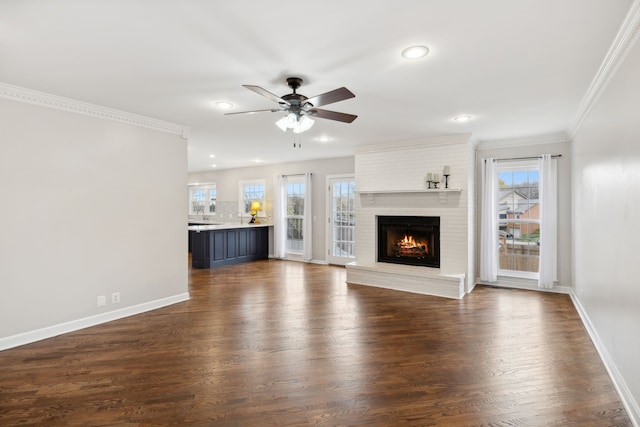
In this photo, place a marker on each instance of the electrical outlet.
(115, 297)
(102, 301)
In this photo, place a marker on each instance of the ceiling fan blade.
(266, 94)
(332, 115)
(273, 110)
(331, 97)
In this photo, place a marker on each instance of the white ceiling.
(519, 67)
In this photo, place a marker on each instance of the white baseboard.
(524, 283)
(630, 404)
(74, 325)
(633, 410)
(311, 261)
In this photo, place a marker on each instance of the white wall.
(227, 182)
(524, 148)
(606, 181)
(89, 207)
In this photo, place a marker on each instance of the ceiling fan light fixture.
(285, 122)
(304, 124)
(415, 52)
(282, 124)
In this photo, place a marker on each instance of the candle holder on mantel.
(436, 181)
(446, 175)
(432, 178)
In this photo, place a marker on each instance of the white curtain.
(489, 222)
(279, 217)
(307, 223)
(549, 222)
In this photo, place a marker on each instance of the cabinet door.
(200, 249)
(243, 236)
(253, 241)
(218, 246)
(232, 244)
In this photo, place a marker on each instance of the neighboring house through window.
(519, 218)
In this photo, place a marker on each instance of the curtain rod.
(296, 174)
(524, 158)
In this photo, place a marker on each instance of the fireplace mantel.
(425, 190)
(442, 192)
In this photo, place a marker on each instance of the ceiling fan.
(299, 108)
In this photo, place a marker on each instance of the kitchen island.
(215, 245)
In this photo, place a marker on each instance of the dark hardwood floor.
(286, 343)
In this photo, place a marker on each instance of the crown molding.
(20, 94)
(463, 138)
(627, 36)
(551, 138)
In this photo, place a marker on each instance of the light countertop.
(225, 226)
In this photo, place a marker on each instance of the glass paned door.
(342, 220)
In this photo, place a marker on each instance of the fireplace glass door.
(412, 240)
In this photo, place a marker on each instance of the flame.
(409, 242)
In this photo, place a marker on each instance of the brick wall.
(388, 181)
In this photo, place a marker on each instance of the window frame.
(295, 180)
(243, 209)
(208, 190)
(527, 165)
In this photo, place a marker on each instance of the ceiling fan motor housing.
(295, 100)
(294, 83)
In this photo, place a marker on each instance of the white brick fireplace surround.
(390, 180)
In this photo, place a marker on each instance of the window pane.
(295, 199)
(519, 219)
(197, 201)
(295, 214)
(343, 216)
(294, 235)
(212, 200)
(252, 193)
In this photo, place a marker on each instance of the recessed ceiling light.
(223, 105)
(460, 119)
(214, 166)
(415, 52)
(324, 138)
(258, 161)
(212, 156)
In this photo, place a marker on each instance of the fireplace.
(412, 240)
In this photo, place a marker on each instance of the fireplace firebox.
(412, 240)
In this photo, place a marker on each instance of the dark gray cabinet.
(213, 248)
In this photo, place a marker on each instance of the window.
(202, 199)
(519, 218)
(295, 215)
(342, 201)
(251, 191)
